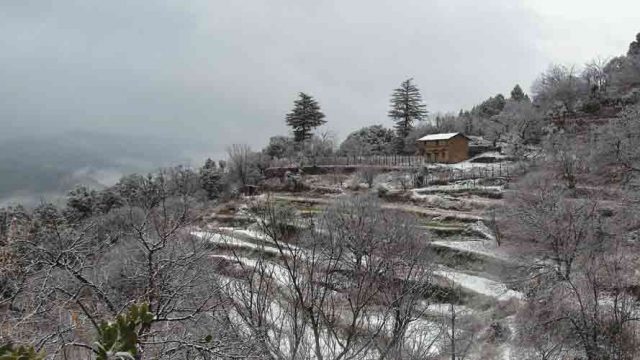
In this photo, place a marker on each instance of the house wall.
(452, 150)
(459, 149)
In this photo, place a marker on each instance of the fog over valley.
(153, 83)
(44, 167)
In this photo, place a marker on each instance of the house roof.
(445, 136)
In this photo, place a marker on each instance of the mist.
(93, 89)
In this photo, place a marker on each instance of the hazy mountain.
(37, 167)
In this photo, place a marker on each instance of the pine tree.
(634, 47)
(490, 107)
(406, 107)
(517, 94)
(80, 203)
(305, 116)
(211, 179)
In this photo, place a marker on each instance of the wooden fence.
(418, 165)
(471, 175)
(387, 160)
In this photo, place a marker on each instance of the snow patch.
(483, 229)
(476, 247)
(222, 239)
(480, 285)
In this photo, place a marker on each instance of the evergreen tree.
(490, 107)
(406, 107)
(517, 94)
(371, 140)
(80, 203)
(280, 147)
(634, 47)
(305, 116)
(107, 200)
(211, 179)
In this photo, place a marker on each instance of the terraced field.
(474, 276)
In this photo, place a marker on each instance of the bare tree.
(539, 335)
(521, 120)
(78, 274)
(595, 75)
(459, 329)
(615, 144)
(559, 89)
(345, 287)
(242, 166)
(568, 157)
(578, 256)
(368, 174)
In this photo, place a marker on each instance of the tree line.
(601, 89)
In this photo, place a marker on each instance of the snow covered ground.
(480, 285)
(228, 240)
(460, 185)
(470, 163)
(243, 238)
(224, 239)
(275, 271)
(427, 332)
(249, 233)
(479, 247)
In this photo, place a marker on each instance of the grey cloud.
(191, 77)
(224, 72)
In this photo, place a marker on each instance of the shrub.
(368, 175)
(591, 107)
(9, 352)
(382, 190)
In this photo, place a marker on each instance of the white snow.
(483, 229)
(257, 235)
(480, 285)
(461, 185)
(442, 136)
(475, 246)
(469, 164)
(250, 233)
(223, 239)
(445, 309)
(277, 272)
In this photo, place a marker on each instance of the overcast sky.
(220, 72)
